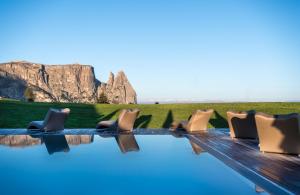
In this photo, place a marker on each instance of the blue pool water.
(142, 164)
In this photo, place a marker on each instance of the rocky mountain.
(62, 83)
(118, 89)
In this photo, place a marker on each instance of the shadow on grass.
(143, 121)
(169, 120)
(108, 116)
(82, 115)
(219, 121)
(17, 114)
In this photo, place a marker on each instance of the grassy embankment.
(17, 114)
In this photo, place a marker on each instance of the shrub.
(102, 99)
(29, 95)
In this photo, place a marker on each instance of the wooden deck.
(275, 173)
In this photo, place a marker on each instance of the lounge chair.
(242, 124)
(197, 122)
(54, 120)
(278, 133)
(125, 121)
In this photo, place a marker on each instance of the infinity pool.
(123, 164)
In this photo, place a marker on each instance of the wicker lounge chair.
(197, 122)
(278, 133)
(125, 121)
(242, 124)
(54, 120)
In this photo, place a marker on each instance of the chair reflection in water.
(55, 143)
(196, 148)
(126, 142)
(60, 143)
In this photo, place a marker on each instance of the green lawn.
(17, 114)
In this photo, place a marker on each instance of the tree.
(102, 99)
(29, 95)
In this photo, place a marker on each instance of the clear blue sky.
(170, 50)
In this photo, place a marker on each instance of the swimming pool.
(120, 164)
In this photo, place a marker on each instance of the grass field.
(17, 114)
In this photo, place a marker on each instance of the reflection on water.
(19, 140)
(259, 189)
(60, 143)
(126, 142)
(165, 162)
(53, 143)
(196, 148)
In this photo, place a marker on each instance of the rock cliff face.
(62, 83)
(118, 89)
